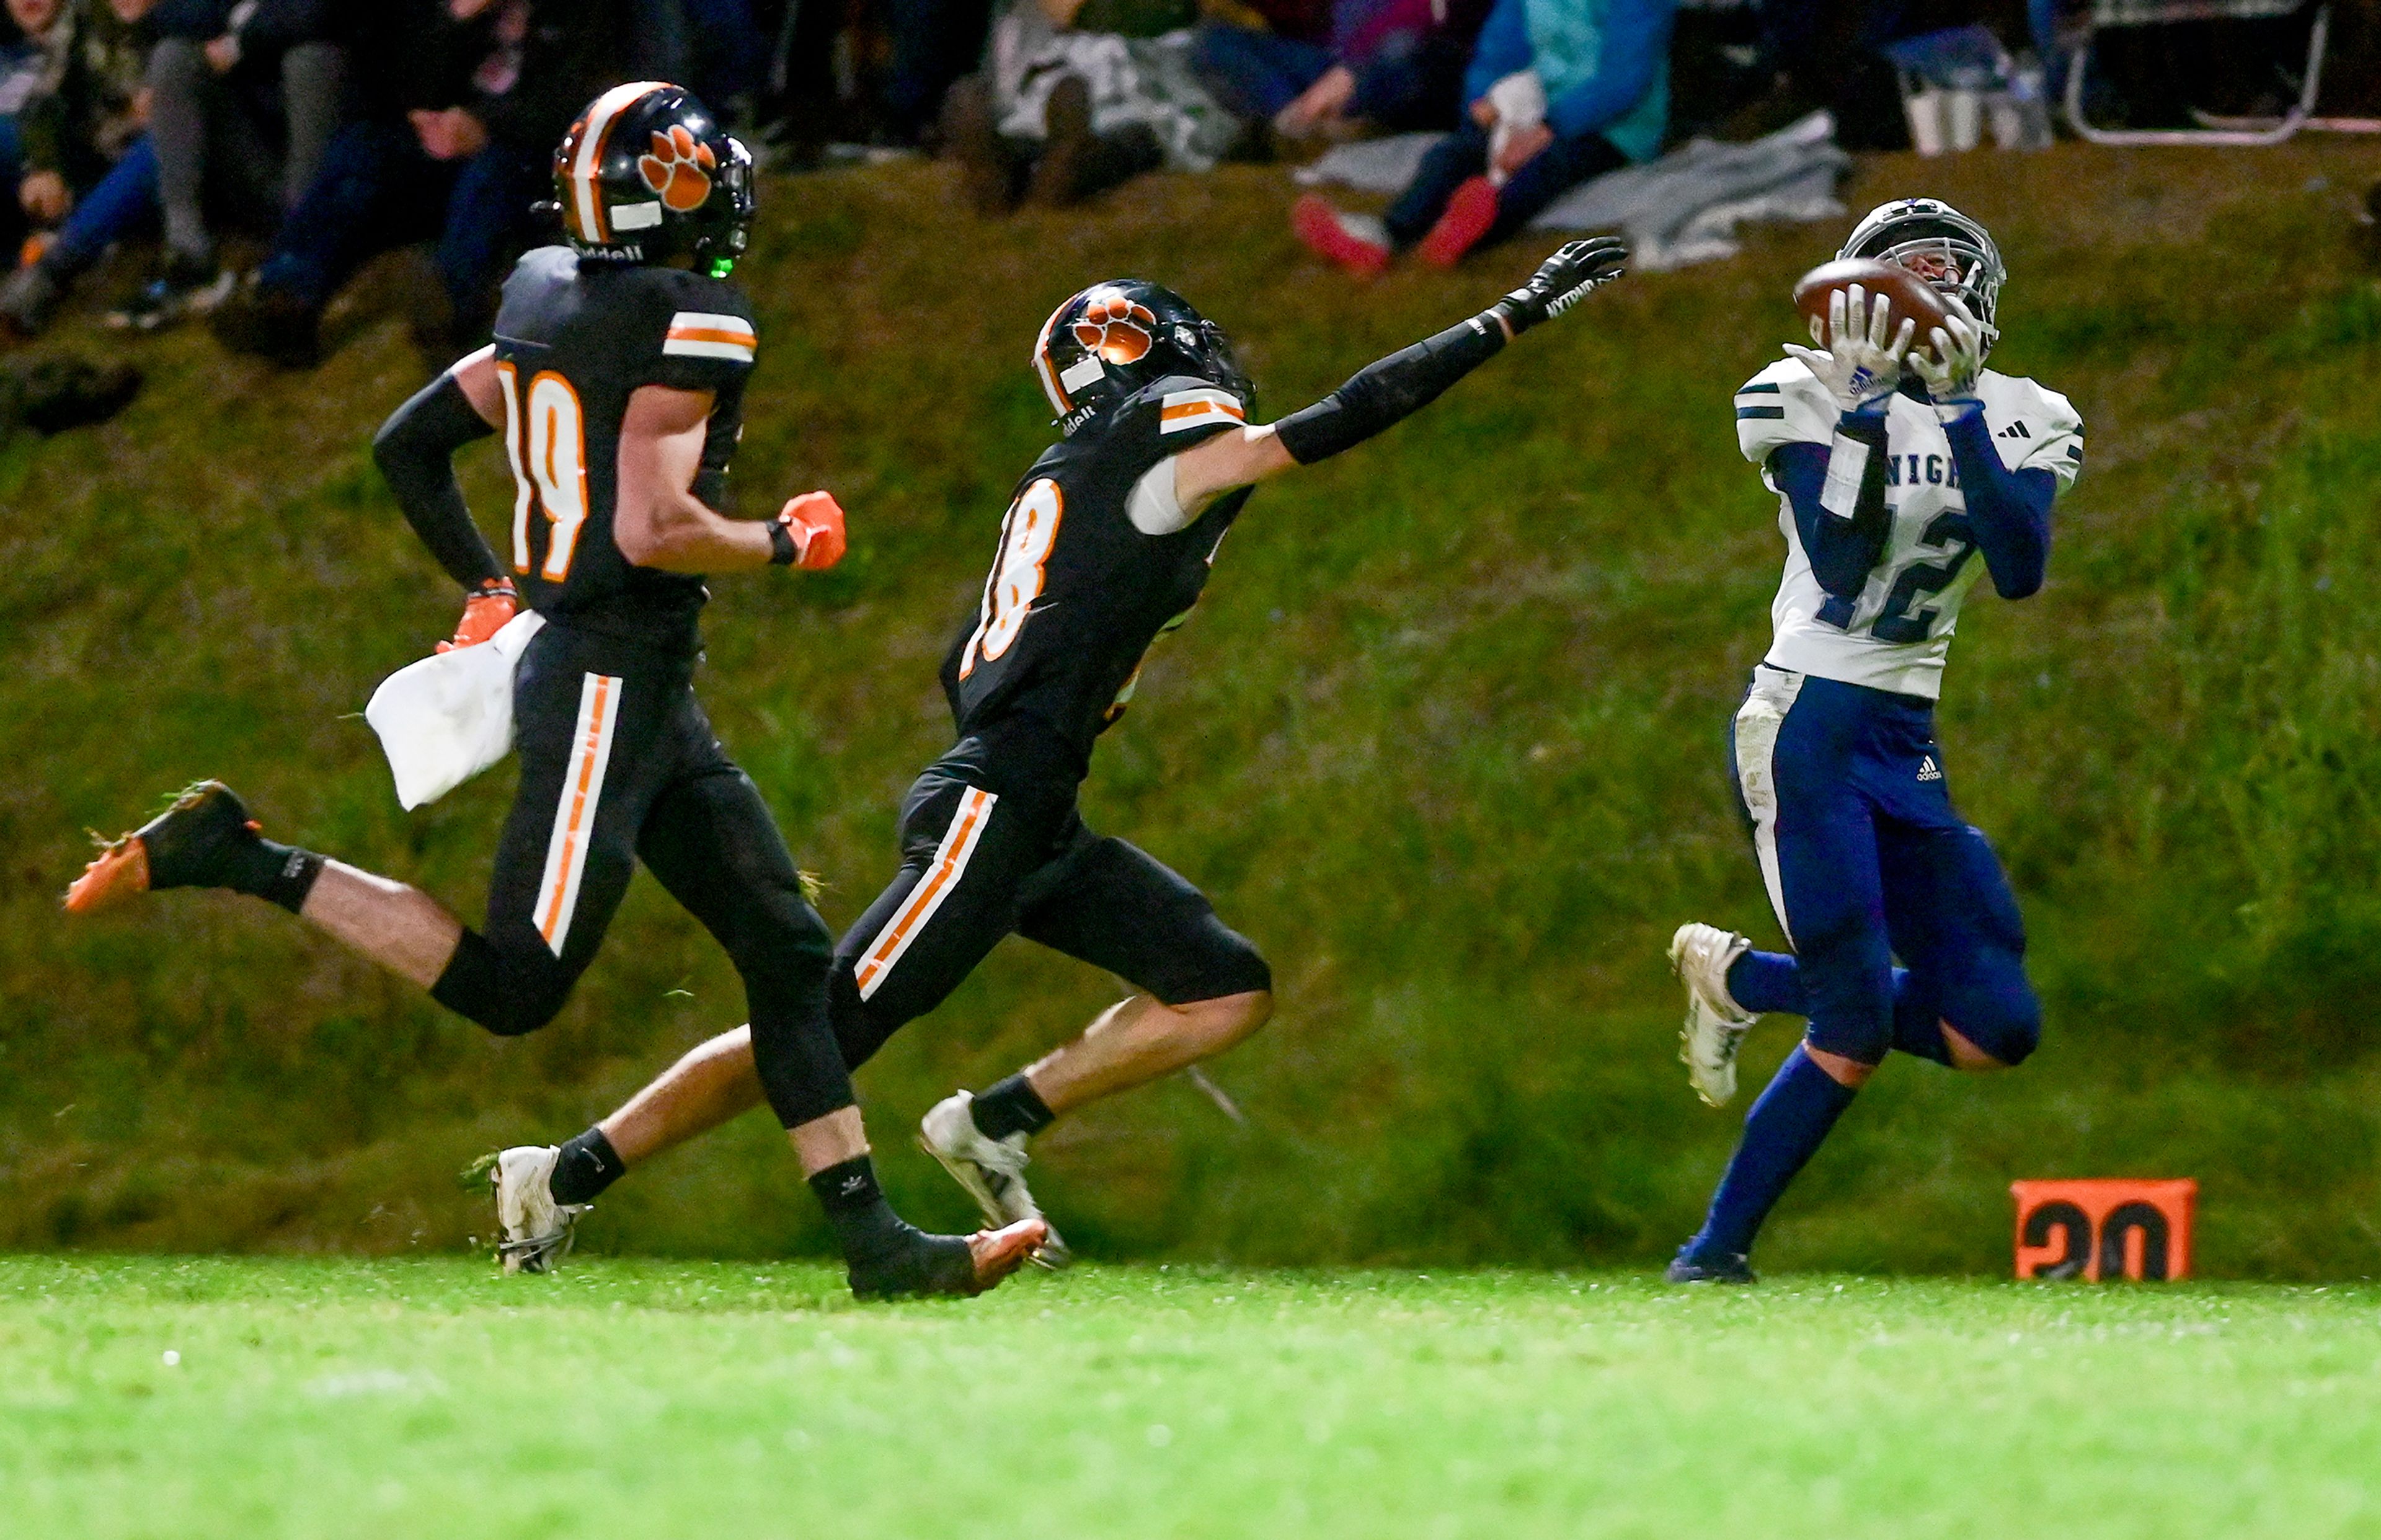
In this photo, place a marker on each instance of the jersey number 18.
(1026, 537)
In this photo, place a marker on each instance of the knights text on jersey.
(1897, 634)
(573, 341)
(1076, 594)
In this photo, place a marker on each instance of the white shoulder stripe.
(708, 321)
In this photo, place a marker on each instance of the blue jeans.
(377, 189)
(1464, 155)
(1411, 81)
(122, 204)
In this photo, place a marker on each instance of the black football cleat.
(188, 845)
(948, 1264)
(1728, 1267)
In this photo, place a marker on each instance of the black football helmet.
(647, 174)
(1114, 339)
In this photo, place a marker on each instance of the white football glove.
(1863, 365)
(1951, 368)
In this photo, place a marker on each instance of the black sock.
(864, 1223)
(278, 873)
(589, 1165)
(1011, 1106)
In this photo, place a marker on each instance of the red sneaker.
(1339, 239)
(1468, 217)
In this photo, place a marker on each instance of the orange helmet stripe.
(588, 208)
(1059, 400)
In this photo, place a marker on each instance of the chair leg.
(2249, 131)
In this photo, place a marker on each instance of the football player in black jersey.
(617, 378)
(1107, 542)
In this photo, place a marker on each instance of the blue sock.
(1782, 1132)
(1918, 1017)
(1764, 982)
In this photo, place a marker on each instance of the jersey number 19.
(545, 439)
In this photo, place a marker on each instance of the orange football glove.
(815, 521)
(485, 613)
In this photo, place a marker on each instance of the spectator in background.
(1081, 95)
(1558, 90)
(29, 61)
(89, 167)
(933, 43)
(1392, 64)
(455, 150)
(243, 99)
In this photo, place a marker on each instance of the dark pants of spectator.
(378, 189)
(122, 204)
(714, 46)
(1412, 81)
(934, 42)
(1464, 155)
(209, 138)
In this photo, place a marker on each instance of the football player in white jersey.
(1897, 466)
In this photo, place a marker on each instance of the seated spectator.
(1558, 90)
(87, 167)
(457, 148)
(1392, 64)
(37, 41)
(243, 97)
(1081, 95)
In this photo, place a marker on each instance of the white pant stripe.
(910, 920)
(1758, 723)
(574, 815)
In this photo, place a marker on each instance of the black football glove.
(1562, 280)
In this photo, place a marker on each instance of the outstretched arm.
(1387, 392)
(659, 522)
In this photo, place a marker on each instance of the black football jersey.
(1076, 594)
(573, 342)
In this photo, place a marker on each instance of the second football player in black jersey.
(616, 381)
(1106, 542)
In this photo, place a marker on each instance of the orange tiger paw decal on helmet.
(1116, 328)
(679, 169)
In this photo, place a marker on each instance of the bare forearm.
(685, 536)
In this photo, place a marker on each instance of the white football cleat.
(1715, 1024)
(536, 1229)
(993, 1171)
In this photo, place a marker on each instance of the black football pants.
(619, 764)
(979, 863)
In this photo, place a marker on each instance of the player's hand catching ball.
(1859, 353)
(1561, 281)
(1950, 369)
(807, 532)
(489, 610)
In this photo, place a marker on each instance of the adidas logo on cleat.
(1928, 770)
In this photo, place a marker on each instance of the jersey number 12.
(545, 439)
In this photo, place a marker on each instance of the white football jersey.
(1896, 635)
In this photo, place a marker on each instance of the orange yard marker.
(2105, 1228)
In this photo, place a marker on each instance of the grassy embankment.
(1444, 737)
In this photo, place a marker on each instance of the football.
(1913, 298)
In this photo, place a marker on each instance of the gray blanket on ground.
(1683, 208)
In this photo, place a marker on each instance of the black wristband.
(783, 552)
(1388, 392)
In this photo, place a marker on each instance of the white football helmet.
(1928, 227)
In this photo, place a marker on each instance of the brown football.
(1913, 298)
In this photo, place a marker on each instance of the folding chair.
(2110, 15)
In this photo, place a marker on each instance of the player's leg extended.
(1816, 844)
(1202, 988)
(1965, 1000)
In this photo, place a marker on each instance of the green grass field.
(723, 1400)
